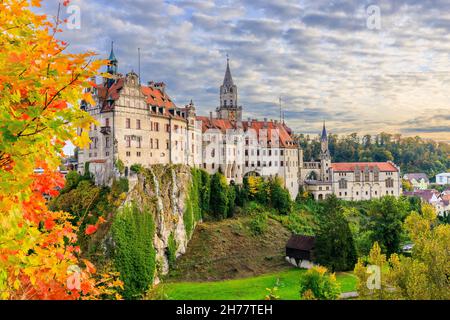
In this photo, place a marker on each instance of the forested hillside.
(413, 154)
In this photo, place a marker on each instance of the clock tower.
(229, 108)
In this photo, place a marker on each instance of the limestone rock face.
(164, 190)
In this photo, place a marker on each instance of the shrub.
(279, 197)
(134, 255)
(318, 284)
(231, 200)
(259, 223)
(171, 251)
(219, 196)
(136, 168)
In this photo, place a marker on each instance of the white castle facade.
(140, 124)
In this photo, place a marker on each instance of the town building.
(419, 181)
(440, 201)
(443, 178)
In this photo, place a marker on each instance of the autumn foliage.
(40, 87)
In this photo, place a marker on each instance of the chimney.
(210, 116)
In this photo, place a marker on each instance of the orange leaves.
(16, 58)
(90, 229)
(59, 105)
(39, 252)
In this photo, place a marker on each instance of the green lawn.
(253, 288)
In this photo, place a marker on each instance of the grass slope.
(253, 288)
(228, 250)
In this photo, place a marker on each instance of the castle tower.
(229, 108)
(325, 157)
(112, 66)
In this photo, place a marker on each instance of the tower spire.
(112, 65)
(324, 132)
(228, 79)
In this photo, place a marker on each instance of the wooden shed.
(300, 247)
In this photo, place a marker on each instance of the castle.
(140, 124)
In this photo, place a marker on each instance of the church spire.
(112, 66)
(324, 133)
(325, 152)
(228, 79)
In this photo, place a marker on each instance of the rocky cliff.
(166, 195)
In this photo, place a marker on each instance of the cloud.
(318, 56)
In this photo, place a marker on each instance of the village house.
(443, 178)
(419, 181)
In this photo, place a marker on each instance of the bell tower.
(229, 108)
(325, 156)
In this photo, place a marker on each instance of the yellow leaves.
(88, 98)
(16, 284)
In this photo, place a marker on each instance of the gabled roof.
(351, 166)
(416, 176)
(425, 195)
(154, 96)
(301, 242)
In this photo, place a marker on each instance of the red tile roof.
(154, 96)
(350, 166)
(222, 124)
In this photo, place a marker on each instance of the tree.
(424, 275)
(231, 200)
(280, 197)
(334, 246)
(39, 81)
(219, 196)
(318, 284)
(386, 218)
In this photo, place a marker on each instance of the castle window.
(366, 176)
(138, 124)
(151, 143)
(128, 141)
(138, 154)
(156, 126)
(139, 142)
(127, 123)
(128, 153)
(389, 183)
(342, 184)
(376, 176)
(107, 122)
(107, 142)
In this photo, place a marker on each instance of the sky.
(334, 61)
